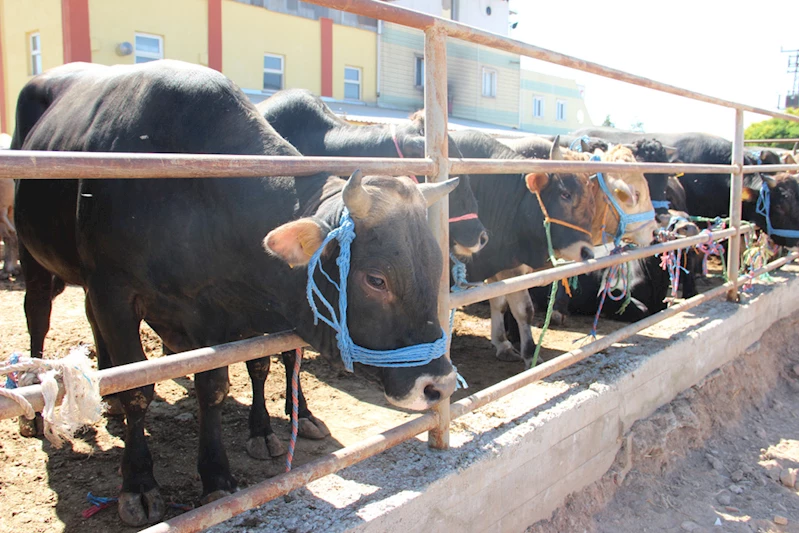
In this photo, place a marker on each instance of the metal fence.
(437, 166)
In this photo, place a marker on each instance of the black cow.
(305, 121)
(514, 220)
(199, 276)
(708, 194)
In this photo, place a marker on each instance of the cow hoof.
(31, 427)
(212, 497)
(509, 355)
(264, 448)
(139, 509)
(312, 428)
(113, 406)
(558, 318)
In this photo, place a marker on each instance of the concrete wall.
(513, 462)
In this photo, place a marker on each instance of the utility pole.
(792, 98)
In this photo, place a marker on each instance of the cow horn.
(585, 147)
(433, 192)
(554, 152)
(770, 181)
(795, 146)
(355, 197)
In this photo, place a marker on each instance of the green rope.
(552, 294)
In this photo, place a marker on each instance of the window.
(538, 107)
(352, 83)
(560, 113)
(419, 70)
(35, 44)
(148, 48)
(489, 82)
(273, 72)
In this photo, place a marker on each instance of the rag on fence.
(82, 404)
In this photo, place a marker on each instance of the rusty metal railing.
(437, 166)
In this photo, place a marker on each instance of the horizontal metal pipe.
(82, 165)
(251, 497)
(756, 141)
(125, 377)
(549, 275)
(514, 166)
(503, 388)
(414, 19)
(754, 169)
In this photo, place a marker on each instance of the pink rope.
(399, 152)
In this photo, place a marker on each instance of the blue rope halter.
(624, 218)
(763, 207)
(417, 355)
(661, 204)
(575, 144)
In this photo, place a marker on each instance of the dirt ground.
(722, 457)
(44, 489)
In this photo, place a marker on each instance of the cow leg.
(310, 427)
(103, 360)
(505, 350)
(117, 323)
(10, 257)
(212, 388)
(521, 307)
(560, 311)
(40, 289)
(263, 443)
(689, 278)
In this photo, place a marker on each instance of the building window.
(148, 48)
(352, 83)
(35, 45)
(273, 72)
(561, 110)
(538, 107)
(419, 70)
(489, 82)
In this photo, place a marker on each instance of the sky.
(728, 49)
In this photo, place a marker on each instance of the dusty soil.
(44, 489)
(711, 460)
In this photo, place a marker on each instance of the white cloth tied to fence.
(82, 404)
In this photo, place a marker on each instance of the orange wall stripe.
(75, 29)
(215, 34)
(326, 25)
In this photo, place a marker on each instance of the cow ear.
(295, 242)
(748, 194)
(536, 182)
(623, 193)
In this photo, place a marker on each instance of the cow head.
(392, 290)
(631, 192)
(567, 198)
(784, 208)
(652, 151)
(467, 235)
(678, 223)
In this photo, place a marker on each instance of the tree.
(775, 128)
(637, 126)
(608, 122)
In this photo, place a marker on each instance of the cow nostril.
(483, 239)
(586, 253)
(432, 394)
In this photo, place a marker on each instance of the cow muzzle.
(426, 392)
(578, 251)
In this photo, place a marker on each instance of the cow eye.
(376, 282)
(566, 195)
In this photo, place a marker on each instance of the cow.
(632, 195)
(707, 195)
(306, 122)
(201, 276)
(8, 232)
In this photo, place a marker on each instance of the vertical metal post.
(437, 149)
(736, 191)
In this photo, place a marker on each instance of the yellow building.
(291, 44)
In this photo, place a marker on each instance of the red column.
(215, 34)
(326, 25)
(75, 29)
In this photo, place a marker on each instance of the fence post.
(736, 190)
(437, 148)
